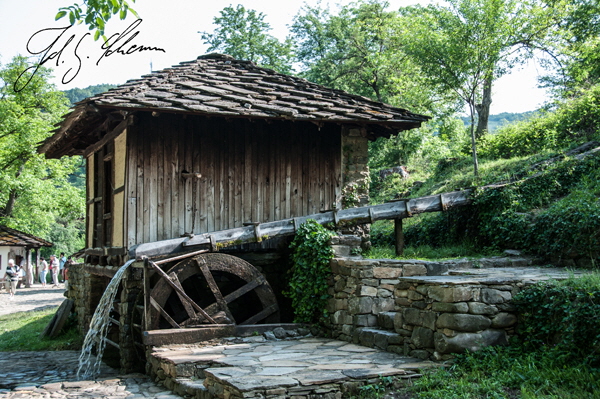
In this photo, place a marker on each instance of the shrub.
(310, 271)
(562, 317)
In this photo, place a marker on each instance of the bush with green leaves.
(573, 122)
(562, 318)
(310, 272)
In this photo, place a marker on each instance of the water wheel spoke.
(212, 284)
(214, 307)
(263, 314)
(189, 309)
(164, 314)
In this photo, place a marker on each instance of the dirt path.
(34, 298)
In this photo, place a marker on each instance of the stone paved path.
(34, 298)
(53, 374)
(254, 367)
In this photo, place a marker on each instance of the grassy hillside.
(547, 200)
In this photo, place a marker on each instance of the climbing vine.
(310, 271)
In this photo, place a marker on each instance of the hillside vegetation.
(545, 203)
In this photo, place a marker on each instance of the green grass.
(427, 252)
(21, 332)
(508, 373)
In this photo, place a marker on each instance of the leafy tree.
(576, 44)
(359, 50)
(34, 191)
(96, 14)
(242, 34)
(468, 44)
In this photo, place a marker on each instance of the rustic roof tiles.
(219, 85)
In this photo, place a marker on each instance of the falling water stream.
(99, 329)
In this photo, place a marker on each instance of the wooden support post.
(399, 235)
(147, 314)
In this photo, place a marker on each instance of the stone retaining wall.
(415, 308)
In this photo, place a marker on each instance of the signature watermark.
(64, 46)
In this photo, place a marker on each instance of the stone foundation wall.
(415, 308)
(438, 319)
(362, 289)
(82, 291)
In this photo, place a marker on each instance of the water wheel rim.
(219, 263)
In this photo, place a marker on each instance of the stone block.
(360, 305)
(504, 320)
(387, 272)
(482, 308)
(386, 320)
(414, 296)
(388, 281)
(436, 269)
(463, 322)
(401, 293)
(398, 321)
(446, 307)
(365, 320)
(403, 302)
(404, 285)
(341, 304)
(341, 251)
(373, 282)
(383, 305)
(471, 341)
(422, 337)
(414, 270)
(339, 317)
(383, 293)
(492, 296)
(419, 305)
(412, 316)
(429, 319)
(365, 290)
(348, 329)
(451, 294)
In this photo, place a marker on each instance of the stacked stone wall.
(83, 291)
(414, 308)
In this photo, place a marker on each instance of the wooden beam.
(107, 137)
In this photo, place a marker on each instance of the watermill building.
(210, 145)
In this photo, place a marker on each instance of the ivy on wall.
(310, 272)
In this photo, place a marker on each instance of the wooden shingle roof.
(219, 85)
(16, 238)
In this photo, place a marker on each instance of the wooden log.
(352, 216)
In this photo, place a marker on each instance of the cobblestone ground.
(53, 374)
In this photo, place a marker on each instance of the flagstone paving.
(256, 367)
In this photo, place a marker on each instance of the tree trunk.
(483, 109)
(474, 141)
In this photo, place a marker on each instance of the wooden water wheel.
(228, 289)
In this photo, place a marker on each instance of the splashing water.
(99, 328)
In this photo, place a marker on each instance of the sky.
(28, 27)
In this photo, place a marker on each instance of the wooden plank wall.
(251, 172)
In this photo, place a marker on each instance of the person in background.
(43, 271)
(61, 263)
(11, 277)
(66, 272)
(54, 269)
